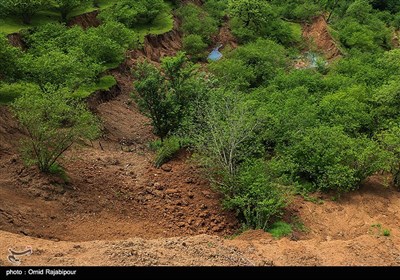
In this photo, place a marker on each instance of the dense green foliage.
(64, 7)
(8, 57)
(133, 12)
(198, 27)
(166, 94)
(25, 9)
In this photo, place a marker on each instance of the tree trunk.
(64, 15)
(26, 18)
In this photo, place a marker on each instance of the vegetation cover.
(260, 128)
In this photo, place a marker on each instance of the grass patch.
(298, 224)
(103, 4)
(280, 229)
(169, 148)
(11, 25)
(10, 92)
(163, 23)
(7, 97)
(105, 83)
(296, 30)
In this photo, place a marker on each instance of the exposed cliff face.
(102, 96)
(86, 20)
(16, 40)
(317, 33)
(156, 47)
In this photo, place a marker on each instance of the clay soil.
(318, 37)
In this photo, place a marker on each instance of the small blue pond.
(215, 54)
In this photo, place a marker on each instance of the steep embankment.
(317, 36)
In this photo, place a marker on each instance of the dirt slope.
(339, 233)
(317, 35)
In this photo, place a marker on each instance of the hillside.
(123, 143)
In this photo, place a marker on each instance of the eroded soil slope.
(339, 232)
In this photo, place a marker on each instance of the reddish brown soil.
(156, 47)
(342, 232)
(317, 36)
(85, 20)
(113, 192)
(225, 37)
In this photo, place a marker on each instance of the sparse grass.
(155, 145)
(280, 229)
(59, 171)
(238, 232)
(379, 230)
(307, 197)
(298, 224)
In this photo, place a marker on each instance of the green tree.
(8, 59)
(390, 139)
(259, 62)
(194, 45)
(59, 69)
(330, 159)
(166, 94)
(25, 9)
(256, 199)
(252, 13)
(228, 124)
(154, 99)
(53, 124)
(196, 21)
(133, 12)
(65, 7)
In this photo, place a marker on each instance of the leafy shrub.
(167, 95)
(10, 92)
(196, 21)
(257, 18)
(54, 123)
(332, 160)
(251, 65)
(8, 59)
(25, 9)
(194, 45)
(254, 197)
